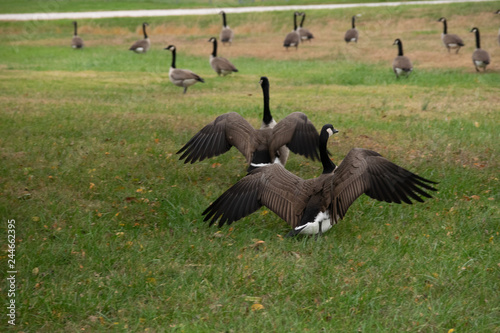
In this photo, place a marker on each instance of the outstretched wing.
(298, 133)
(271, 186)
(366, 171)
(216, 138)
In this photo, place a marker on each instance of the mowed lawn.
(109, 230)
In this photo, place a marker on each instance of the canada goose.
(226, 34)
(304, 33)
(181, 77)
(293, 38)
(352, 34)
(221, 66)
(142, 46)
(498, 12)
(259, 146)
(77, 41)
(401, 64)
(313, 206)
(450, 41)
(480, 58)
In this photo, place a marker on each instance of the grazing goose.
(181, 77)
(401, 64)
(293, 38)
(226, 34)
(77, 41)
(352, 34)
(313, 206)
(480, 58)
(304, 33)
(450, 41)
(259, 146)
(221, 66)
(141, 46)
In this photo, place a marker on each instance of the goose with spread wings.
(259, 146)
(313, 206)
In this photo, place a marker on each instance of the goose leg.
(185, 89)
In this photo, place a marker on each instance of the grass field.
(34, 6)
(109, 229)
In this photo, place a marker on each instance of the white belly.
(479, 63)
(312, 228)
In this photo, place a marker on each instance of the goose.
(77, 41)
(293, 38)
(142, 46)
(450, 41)
(259, 146)
(352, 34)
(221, 66)
(480, 58)
(313, 206)
(498, 12)
(401, 64)
(304, 33)
(181, 77)
(226, 34)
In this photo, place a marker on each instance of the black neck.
(294, 22)
(478, 39)
(445, 27)
(328, 165)
(214, 52)
(224, 22)
(173, 59)
(353, 22)
(144, 31)
(74, 23)
(268, 118)
(303, 19)
(400, 48)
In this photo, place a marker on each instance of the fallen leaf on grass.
(257, 307)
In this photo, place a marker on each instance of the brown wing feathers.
(365, 171)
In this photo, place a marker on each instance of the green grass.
(36, 6)
(108, 220)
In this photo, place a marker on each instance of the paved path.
(207, 11)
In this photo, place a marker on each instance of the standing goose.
(293, 38)
(352, 34)
(313, 206)
(221, 66)
(226, 34)
(142, 46)
(304, 33)
(498, 12)
(259, 146)
(480, 58)
(181, 77)
(450, 41)
(401, 64)
(77, 41)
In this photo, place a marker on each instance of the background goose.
(480, 58)
(304, 33)
(450, 41)
(221, 66)
(313, 206)
(142, 46)
(293, 38)
(77, 41)
(181, 77)
(401, 64)
(226, 34)
(259, 146)
(352, 34)
(498, 12)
